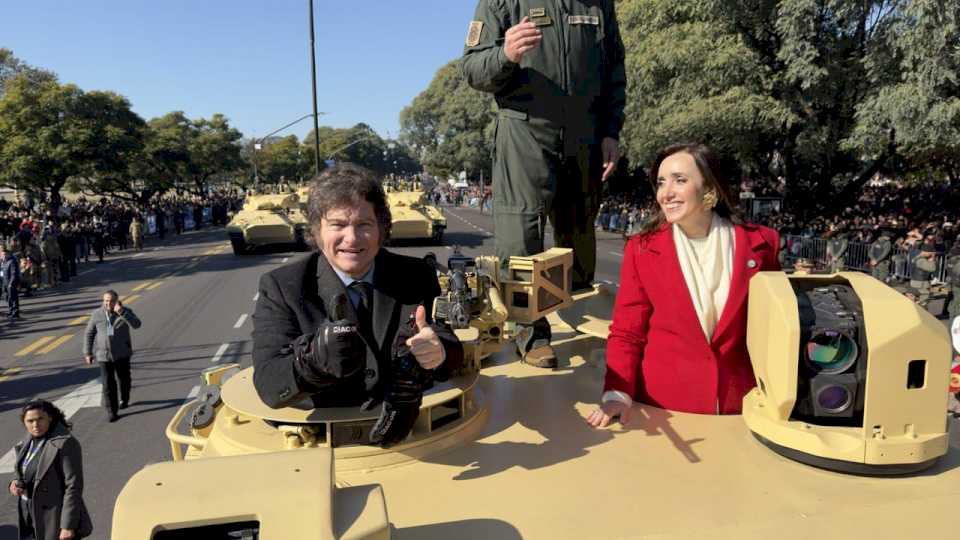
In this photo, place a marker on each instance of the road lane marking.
(615, 254)
(143, 285)
(195, 259)
(129, 299)
(193, 392)
(85, 272)
(33, 346)
(9, 373)
(240, 321)
(285, 259)
(87, 395)
(154, 286)
(220, 351)
(138, 255)
(256, 297)
(56, 343)
(78, 321)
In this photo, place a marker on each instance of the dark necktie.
(364, 308)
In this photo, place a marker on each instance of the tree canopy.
(450, 126)
(51, 132)
(822, 93)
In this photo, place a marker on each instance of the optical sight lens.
(831, 352)
(834, 399)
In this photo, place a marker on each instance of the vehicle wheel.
(239, 245)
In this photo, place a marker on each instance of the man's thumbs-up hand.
(425, 345)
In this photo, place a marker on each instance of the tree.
(823, 93)
(361, 145)
(283, 158)
(51, 132)
(11, 66)
(450, 125)
(192, 152)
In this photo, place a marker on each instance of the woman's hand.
(15, 490)
(67, 534)
(602, 416)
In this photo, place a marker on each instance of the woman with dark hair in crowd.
(678, 338)
(49, 477)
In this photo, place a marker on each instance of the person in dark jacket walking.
(107, 339)
(10, 277)
(49, 477)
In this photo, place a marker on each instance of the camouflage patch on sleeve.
(473, 35)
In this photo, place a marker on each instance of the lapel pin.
(751, 263)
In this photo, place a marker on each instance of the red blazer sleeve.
(772, 237)
(631, 322)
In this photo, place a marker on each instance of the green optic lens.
(831, 352)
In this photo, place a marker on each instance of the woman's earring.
(710, 199)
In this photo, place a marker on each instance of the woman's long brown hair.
(709, 166)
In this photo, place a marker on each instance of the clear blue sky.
(246, 59)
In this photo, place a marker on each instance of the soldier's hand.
(520, 39)
(611, 155)
(425, 346)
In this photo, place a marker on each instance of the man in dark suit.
(326, 326)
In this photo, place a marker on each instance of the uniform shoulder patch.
(473, 34)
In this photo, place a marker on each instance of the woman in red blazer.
(678, 338)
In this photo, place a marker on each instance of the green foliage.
(450, 125)
(824, 93)
(283, 159)
(362, 146)
(11, 66)
(51, 132)
(193, 152)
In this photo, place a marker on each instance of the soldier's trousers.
(954, 307)
(533, 180)
(881, 271)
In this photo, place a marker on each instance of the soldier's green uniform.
(555, 107)
(880, 251)
(836, 250)
(924, 265)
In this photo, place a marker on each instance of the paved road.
(194, 298)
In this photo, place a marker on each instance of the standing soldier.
(836, 251)
(51, 255)
(880, 251)
(556, 70)
(136, 233)
(953, 279)
(924, 265)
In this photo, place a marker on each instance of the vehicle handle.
(177, 440)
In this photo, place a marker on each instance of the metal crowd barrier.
(857, 256)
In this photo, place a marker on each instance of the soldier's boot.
(533, 343)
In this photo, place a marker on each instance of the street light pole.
(313, 70)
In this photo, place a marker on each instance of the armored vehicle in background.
(268, 219)
(413, 216)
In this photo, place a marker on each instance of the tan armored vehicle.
(502, 451)
(413, 216)
(268, 219)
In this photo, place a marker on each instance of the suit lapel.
(328, 287)
(746, 263)
(383, 297)
(668, 268)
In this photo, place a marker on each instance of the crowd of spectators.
(50, 244)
